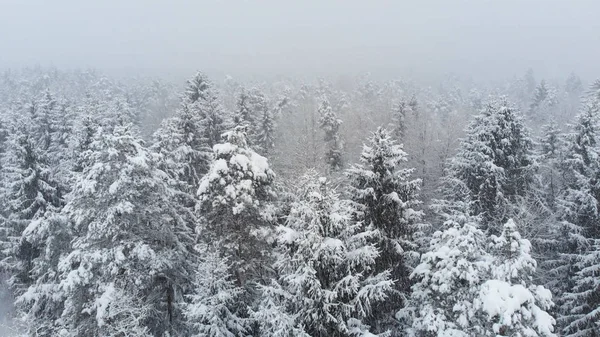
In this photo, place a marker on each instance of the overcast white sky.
(476, 37)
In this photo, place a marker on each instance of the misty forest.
(350, 204)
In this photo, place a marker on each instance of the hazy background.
(420, 38)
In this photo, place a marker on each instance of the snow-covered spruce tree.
(212, 307)
(262, 132)
(121, 113)
(235, 208)
(325, 284)
(548, 190)
(43, 117)
(214, 120)
(84, 132)
(573, 85)
(543, 102)
(594, 92)
(539, 95)
(43, 302)
(582, 169)
(197, 89)
(258, 101)
(385, 198)
(400, 112)
(448, 280)
(132, 256)
(4, 131)
(265, 137)
(185, 154)
(273, 316)
(185, 140)
(51, 130)
(243, 115)
(283, 102)
(493, 169)
(583, 299)
(578, 207)
(475, 98)
(551, 150)
(330, 124)
(513, 304)
(29, 191)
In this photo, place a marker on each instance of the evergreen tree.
(584, 299)
(213, 118)
(400, 112)
(464, 290)
(448, 280)
(262, 132)
(578, 206)
(234, 207)
(543, 101)
(4, 131)
(51, 130)
(475, 99)
(131, 259)
(283, 102)
(330, 124)
(573, 85)
(186, 156)
(547, 217)
(197, 89)
(43, 116)
(244, 115)
(513, 304)
(43, 301)
(551, 148)
(29, 191)
(594, 92)
(122, 113)
(385, 198)
(185, 140)
(265, 138)
(325, 285)
(492, 170)
(211, 312)
(540, 94)
(83, 135)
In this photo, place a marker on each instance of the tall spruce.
(243, 115)
(262, 133)
(265, 137)
(463, 289)
(330, 124)
(325, 285)
(583, 299)
(447, 282)
(42, 303)
(235, 209)
(186, 139)
(212, 308)
(493, 169)
(385, 198)
(29, 191)
(401, 111)
(578, 206)
(513, 304)
(131, 259)
(551, 152)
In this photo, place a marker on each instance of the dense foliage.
(360, 208)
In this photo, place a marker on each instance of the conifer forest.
(349, 203)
